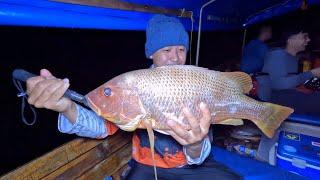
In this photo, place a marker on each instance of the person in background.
(281, 65)
(255, 51)
(279, 85)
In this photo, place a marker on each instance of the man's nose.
(174, 55)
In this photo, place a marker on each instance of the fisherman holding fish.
(182, 155)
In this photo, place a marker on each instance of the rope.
(23, 95)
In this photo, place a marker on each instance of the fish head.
(117, 101)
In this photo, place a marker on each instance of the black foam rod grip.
(23, 75)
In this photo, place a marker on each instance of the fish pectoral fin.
(233, 122)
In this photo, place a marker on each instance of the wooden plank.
(53, 160)
(110, 165)
(122, 5)
(88, 160)
(117, 174)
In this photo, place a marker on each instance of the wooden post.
(244, 40)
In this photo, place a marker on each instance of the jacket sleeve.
(87, 124)
(205, 151)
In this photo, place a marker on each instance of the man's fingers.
(205, 121)
(194, 123)
(56, 96)
(60, 102)
(178, 129)
(32, 82)
(177, 138)
(46, 73)
(38, 89)
(47, 93)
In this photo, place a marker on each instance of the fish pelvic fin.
(148, 124)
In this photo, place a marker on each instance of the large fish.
(149, 97)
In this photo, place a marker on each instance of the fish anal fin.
(234, 122)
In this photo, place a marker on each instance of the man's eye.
(182, 50)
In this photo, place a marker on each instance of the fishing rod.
(21, 75)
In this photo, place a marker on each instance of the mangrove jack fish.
(147, 98)
(152, 96)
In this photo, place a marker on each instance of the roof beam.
(122, 5)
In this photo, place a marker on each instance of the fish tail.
(273, 121)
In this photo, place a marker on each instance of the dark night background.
(91, 57)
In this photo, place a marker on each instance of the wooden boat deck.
(81, 158)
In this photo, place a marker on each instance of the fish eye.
(107, 92)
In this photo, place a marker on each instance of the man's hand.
(192, 139)
(316, 72)
(46, 91)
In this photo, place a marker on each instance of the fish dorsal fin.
(184, 66)
(243, 79)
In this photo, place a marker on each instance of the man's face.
(266, 33)
(299, 41)
(170, 55)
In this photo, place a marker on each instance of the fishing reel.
(313, 84)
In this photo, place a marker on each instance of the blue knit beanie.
(163, 31)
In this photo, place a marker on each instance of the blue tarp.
(305, 119)
(220, 15)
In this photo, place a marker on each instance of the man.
(255, 51)
(279, 86)
(282, 67)
(167, 44)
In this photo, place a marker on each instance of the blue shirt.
(253, 56)
(283, 70)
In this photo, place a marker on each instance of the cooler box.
(298, 149)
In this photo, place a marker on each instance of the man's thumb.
(45, 73)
